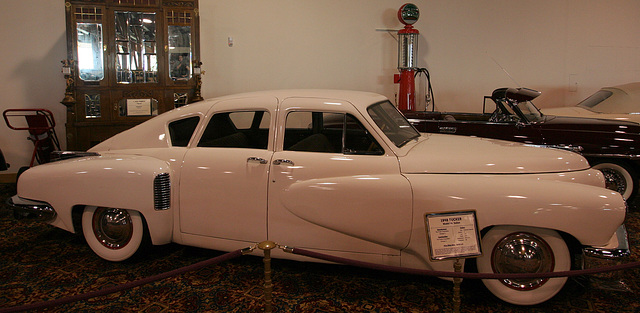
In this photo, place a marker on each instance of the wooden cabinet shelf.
(127, 61)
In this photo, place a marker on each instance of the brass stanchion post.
(266, 246)
(457, 267)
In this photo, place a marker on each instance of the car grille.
(162, 192)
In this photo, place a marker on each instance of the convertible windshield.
(512, 111)
(392, 123)
(530, 111)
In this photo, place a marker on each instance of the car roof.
(624, 99)
(630, 88)
(152, 133)
(357, 98)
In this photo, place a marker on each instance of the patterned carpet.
(39, 262)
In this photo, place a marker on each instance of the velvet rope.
(125, 286)
(315, 255)
(396, 269)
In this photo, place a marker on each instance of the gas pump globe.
(407, 51)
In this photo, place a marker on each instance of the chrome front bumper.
(29, 209)
(613, 254)
(618, 246)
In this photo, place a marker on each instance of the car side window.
(358, 140)
(242, 129)
(329, 133)
(180, 131)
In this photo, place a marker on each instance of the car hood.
(590, 124)
(452, 154)
(567, 111)
(581, 112)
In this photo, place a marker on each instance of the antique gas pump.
(407, 51)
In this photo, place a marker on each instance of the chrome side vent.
(162, 192)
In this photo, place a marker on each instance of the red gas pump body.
(407, 50)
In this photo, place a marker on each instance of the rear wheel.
(517, 249)
(113, 234)
(618, 177)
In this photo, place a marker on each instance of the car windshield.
(530, 111)
(392, 123)
(513, 111)
(592, 101)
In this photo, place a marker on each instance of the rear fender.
(125, 182)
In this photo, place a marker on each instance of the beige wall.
(548, 45)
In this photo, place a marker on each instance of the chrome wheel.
(617, 178)
(522, 253)
(112, 227)
(521, 249)
(113, 234)
(614, 180)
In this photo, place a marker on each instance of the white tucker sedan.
(337, 172)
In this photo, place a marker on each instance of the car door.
(333, 186)
(223, 183)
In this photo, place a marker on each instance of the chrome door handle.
(257, 159)
(280, 161)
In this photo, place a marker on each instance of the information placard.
(138, 107)
(453, 235)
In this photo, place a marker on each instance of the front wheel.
(113, 234)
(518, 249)
(617, 177)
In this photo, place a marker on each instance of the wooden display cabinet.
(127, 61)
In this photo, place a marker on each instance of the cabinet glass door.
(180, 52)
(89, 45)
(136, 47)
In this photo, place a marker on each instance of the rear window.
(181, 131)
(241, 129)
(595, 99)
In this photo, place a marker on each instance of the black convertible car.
(609, 145)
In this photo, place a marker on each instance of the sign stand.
(457, 267)
(453, 235)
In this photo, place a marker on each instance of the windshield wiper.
(408, 140)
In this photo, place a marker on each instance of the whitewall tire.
(617, 178)
(519, 249)
(113, 234)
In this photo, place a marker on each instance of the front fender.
(591, 214)
(125, 182)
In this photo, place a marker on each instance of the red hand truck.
(41, 126)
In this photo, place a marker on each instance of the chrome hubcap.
(522, 253)
(112, 227)
(614, 180)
